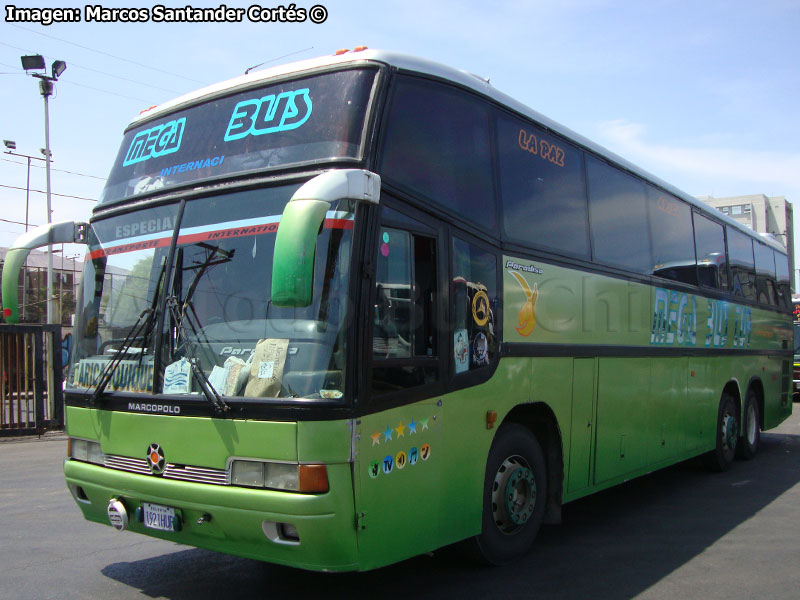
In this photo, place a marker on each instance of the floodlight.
(59, 66)
(10, 145)
(33, 63)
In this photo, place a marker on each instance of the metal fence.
(31, 399)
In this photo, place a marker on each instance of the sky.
(703, 94)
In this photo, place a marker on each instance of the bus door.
(398, 453)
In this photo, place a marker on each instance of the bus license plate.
(159, 517)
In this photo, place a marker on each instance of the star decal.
(376, 437)
(425, 423)
(400, 429)
(387, 434)
(412, 427)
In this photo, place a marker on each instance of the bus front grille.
(171, 471)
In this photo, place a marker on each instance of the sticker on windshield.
(269, 114)
(265, 369)
(177, 378)
(159, 140)
(129, 376)
(461, 350)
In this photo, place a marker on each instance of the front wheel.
(751, 428)
(727, 434)
(514, 495)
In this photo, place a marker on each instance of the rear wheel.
(727, 434)
(514, 495)
(751, 428)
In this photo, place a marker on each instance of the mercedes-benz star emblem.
(155, 459)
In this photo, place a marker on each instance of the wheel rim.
(729, 431)
(751, 424)
(513, 495)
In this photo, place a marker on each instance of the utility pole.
(36, 63)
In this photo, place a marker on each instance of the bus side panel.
(774, 331)
(400, 478)
(578, 455)
(703, 393)
(668, 405)
(623, 405)
(520, 385)
(437, 500)
(777, 392)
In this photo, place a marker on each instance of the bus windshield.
(210, 307)
(299, 121)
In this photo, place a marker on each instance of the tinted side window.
(392, 327)
(404, 333)
(437, 145)
(784, 286)
(542, 188)
(765, 274)
(618, 218)
(709, 239)
(742, 264)
(474, 307)
(672, 237)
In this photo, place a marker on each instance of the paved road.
(679, 533)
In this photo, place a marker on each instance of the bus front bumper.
(230, 519)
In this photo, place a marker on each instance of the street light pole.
(37, 63)
(46, 89)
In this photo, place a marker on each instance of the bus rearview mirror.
(301, 222)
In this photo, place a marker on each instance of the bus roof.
(423, 66)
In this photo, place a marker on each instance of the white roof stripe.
(423, 66)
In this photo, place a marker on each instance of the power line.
(14, 187)
(73, 64)
(14, 162)
(89, 87)
(107, 54)
(17, 223)
(16, 69)
(85, 68)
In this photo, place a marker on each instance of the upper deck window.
(437, 146)
(671, 237)
(709, 240)
(618, 217)
(293, 122)
(742, 264)
(542, 187)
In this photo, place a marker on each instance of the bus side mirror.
(301, 222)
(66, 232)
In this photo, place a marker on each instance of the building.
(761, 213)
(33, 286)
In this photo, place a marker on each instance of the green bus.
(342, 312)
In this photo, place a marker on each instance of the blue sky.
(703, 94)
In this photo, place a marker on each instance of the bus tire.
(751, 428)
(514, 496)
(727, 434)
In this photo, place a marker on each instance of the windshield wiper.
(224, 256)
(180, 319)
(143, 327)
(179, 311)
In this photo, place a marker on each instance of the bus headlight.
(290, 477)
(85, 451)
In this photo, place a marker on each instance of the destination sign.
(264, 127)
